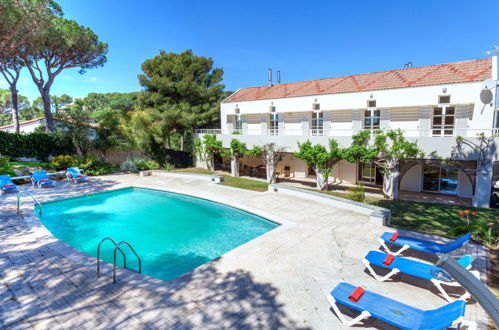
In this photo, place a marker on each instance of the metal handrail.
(98, 254)
(29, 194)
(131, 248)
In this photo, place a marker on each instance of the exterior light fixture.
(444, 90)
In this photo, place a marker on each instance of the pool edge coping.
(81, 259)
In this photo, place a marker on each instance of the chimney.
(270, 78)
(278, 76)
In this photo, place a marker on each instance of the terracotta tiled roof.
(449, 73)
(24, 122)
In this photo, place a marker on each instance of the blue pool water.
(172, 233)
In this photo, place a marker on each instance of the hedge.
(33, 145)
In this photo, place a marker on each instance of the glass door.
(441, 179)
(317, 124)
(274, 124)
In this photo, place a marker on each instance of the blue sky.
(303, 39)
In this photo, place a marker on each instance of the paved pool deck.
(277, 281)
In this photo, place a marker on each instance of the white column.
(483, 186)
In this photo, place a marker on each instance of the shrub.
(5, 167)
(357, 194)
(129, 166)
(458, 231)
(137, 165)
(63, 162)
(99, 168)
(482, 231)
(146, 165)
(37, 145)
(89, 164)
(486, 232)
(169, 166)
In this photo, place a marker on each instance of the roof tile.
(449, 73)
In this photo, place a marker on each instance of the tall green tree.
(20, 23)
(181, 92)
(320, 159)
(111, 112)
(386, 149)
(6, 107)
(74, 124)
(10, 69)
(62, 44)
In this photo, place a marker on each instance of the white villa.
(431, 104)
(25, 127)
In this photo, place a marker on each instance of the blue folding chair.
(428, 272)
(396, 313)
(407, 242)
(75, 174)
(6, 184)
(40, 178)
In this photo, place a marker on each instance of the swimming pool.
(172, 233)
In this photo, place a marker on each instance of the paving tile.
(279, 282)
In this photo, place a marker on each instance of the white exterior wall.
(25, 128)
(463, 94)
(464, 187)
(409, 109)
(412, 179)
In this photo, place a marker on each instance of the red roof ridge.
(23, 122)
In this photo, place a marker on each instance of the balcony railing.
(316, 132)
(332, 132)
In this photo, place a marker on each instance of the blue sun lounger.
(397, 313)
(428, 272)
(407, 242)
(6, 184)
(74, 173)
(40, 178)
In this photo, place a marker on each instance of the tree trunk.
(270, 169)
(15, 108)
(49, 121)
(210, 163)
(79, 152)
(234, 166)
(391, 183)
(182, 142)
(321, 179)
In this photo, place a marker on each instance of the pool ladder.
(32, 197)
(116, 248)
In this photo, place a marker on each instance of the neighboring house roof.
(23, 122)
(448, 73)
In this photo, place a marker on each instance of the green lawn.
(369, 199)
(20, 164)
(431, 218)
(419, 216)
(231, 181)
(245, 183)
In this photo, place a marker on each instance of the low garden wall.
(208, 177)
(377, 215)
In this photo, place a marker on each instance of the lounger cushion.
(356, 294)
(427, 246)
(8, 185)
(408, 266)
(388, 260)
(399, 314)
